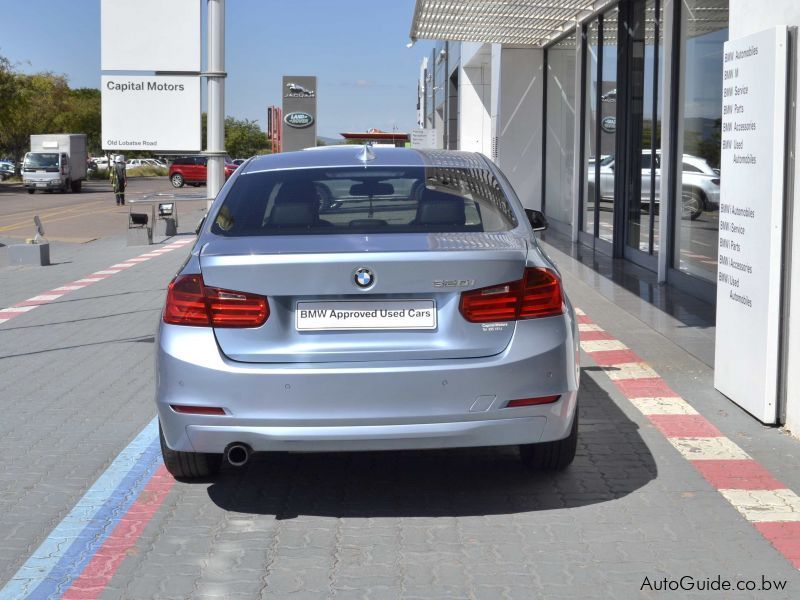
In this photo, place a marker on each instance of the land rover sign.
(299, 112)
(298, 120)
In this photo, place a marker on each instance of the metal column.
(215, 80)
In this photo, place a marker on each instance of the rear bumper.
(369, 405)
(497, 432)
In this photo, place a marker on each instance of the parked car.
(192, 170)
(101, 162)
(700, 183)
(418, 313)
(238, 161)
(7, 170)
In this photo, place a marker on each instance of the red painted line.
(593, 336)
(785, 536)
(95, 577)
(737, 475)
(684, 426)
(730, 474)
(584, 319)
(607, 358)
(88, 280)
(647, 387)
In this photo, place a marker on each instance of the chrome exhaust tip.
(237, 454)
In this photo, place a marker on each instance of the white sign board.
(423, 139)
(751, 221)
(151, 112)
(150, 35)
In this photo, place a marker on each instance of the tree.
(244, 138)
(83, 116)
(36, 105)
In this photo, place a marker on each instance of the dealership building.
(658, 137)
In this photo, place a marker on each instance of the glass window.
(608, 123)
(346, 200)
(560, 124)
(705, 23)
(41, 160)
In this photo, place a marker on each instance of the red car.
(192, 170)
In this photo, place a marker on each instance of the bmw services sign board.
(299, 112)
(142, 110)
(749, 278)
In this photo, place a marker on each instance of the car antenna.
(366, 153)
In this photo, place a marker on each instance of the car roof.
(348, 156)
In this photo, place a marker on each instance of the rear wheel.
(176, 180)
(188, 465)
(31, 191)
(552, 456)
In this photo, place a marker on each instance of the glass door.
(600, 131)
(640, 191)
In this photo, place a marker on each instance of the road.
(79, 218)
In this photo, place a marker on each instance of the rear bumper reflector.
(197, 410)
(532, 401)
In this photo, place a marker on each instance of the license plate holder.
(365, 315)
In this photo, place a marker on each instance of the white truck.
(56, 162)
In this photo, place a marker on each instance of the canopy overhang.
(532, 23)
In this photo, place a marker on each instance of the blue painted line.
(81, 551)
(70, 546)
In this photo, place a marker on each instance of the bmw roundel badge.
(363, 278)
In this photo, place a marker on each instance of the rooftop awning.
(517, 22)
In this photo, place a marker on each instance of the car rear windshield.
(365, 200)
(41, 160)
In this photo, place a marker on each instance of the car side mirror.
(537, 219)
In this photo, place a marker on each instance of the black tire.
(188, 465)
(76, 187)
(176, 179)
(552, 456)
(31, 191)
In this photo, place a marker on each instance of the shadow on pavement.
(612, 462)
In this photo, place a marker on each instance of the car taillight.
(191, 302)
(537, 294)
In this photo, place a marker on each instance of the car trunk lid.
(412, 272)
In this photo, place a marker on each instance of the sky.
(356, 48)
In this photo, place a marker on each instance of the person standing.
(119, 180)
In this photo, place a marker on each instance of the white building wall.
(752, 16)
(519, 122)
(475, 99)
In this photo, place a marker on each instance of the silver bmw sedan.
(359, 299)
